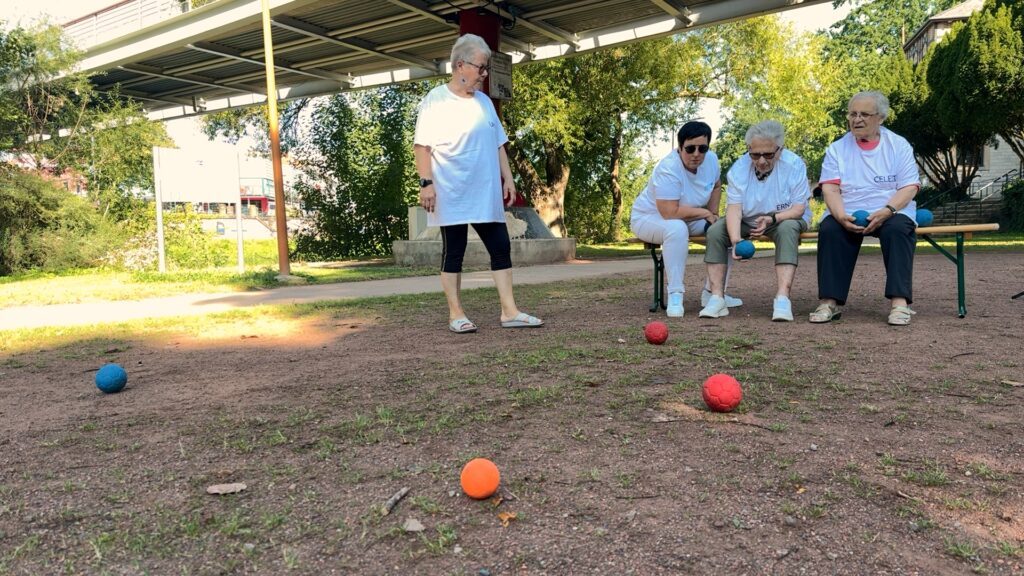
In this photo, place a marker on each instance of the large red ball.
(656, 332)
(722, 393)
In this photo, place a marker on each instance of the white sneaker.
(782, 310)
(675, 305)
(705, 297)
(716, 308)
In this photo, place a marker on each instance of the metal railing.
(121, 19)
(976, 194)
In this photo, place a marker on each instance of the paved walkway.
(194, 304)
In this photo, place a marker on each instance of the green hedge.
(1013, 207)
(44, 227)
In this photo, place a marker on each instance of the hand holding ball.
(480, 478)
(860, 218)
(722, 393)
(656, 332)
(111, 378)
(745, 249)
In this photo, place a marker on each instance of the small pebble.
(789, 521)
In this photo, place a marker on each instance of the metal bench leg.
(958, 260)
(659, 280)
(961, 297)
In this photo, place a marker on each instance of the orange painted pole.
(275, 144)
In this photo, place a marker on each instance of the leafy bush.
(360, 173)
(1013, 207)
(44, 227)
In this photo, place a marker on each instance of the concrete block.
(524, 252)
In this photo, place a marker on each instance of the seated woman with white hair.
(767, 196)
(869, 169)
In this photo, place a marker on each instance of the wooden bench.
(962, 232)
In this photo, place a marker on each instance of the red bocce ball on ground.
(722, 393)
(656, 332)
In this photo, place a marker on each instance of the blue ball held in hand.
(860, 218)
(925, 217)
(111, 378)
(745, 249)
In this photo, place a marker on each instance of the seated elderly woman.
(767, 195)
(869, 169)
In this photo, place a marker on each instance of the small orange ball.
(480, 478)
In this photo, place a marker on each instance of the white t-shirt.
(784, 187)
(464, 135)
(670, 180)
(869, 178)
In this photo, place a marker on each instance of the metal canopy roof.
(212, 58)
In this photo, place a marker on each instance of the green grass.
(107, 285)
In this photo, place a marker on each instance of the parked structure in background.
(997, 162)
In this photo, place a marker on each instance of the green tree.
(42, 98)
(785, 78)
(977, 75)
(600, 103)
(113, 149)
(359, 174)
(867, 46)
(945, 150)
(53, 117)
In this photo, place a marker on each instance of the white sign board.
(207, 175)
(500, 77)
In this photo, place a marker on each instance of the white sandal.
(900, 315)
(826, 313)
(462, 326)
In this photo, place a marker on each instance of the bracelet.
(774, 220)
(891, 209)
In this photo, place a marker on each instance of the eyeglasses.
(690, 149)
(856, 115)
(765, 155)
(482, 68)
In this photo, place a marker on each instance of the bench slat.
(967, 228)
(964, 231)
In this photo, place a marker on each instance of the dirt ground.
(859, 448)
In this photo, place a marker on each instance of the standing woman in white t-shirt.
(464, 176)
(870, 169)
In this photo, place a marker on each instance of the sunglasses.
(691, 148)
(765, 155)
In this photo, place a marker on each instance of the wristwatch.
(891, 209)
(424, 182)
(774, 219)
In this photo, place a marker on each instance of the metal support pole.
(275, 143)
(960, 289)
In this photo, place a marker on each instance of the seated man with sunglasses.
(768, 195)
(680, 199)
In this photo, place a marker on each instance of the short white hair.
(467, 46)
(881, 102)
(767, 130)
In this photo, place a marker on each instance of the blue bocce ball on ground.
(111, 378)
